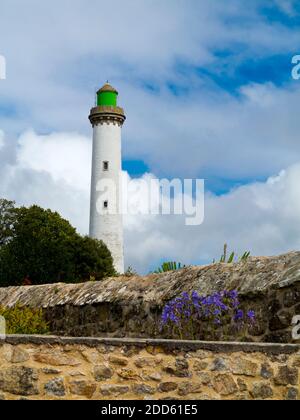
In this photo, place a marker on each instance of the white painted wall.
(104, 226)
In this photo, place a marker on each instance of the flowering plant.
(192, 316)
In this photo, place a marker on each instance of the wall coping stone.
(216, 347)
(254, 279)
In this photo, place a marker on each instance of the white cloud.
(261, 217)
(51, 171)
(1, 139)
(58, 55)
(58, 154)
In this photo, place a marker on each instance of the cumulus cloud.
(58, 154)
(59, 55)
(261, 217)
(250, 136)
(171, 61)
(52, 171)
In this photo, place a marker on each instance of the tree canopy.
(38, 246)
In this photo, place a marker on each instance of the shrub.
(192, 316)
(45, 248)
(24, 320)
(130, 272)
(232, 256)
(169, 266)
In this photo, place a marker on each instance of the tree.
(93, 259)
(8, 214)
(45, 248)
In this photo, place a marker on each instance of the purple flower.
(233, 294)
(174, 318)
(185, 296)
(251, 316)
(239, 316)
(202, 311)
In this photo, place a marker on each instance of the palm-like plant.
(230, 259)
(169, 266)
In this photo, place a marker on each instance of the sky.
(208, 93)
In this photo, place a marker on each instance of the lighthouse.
(106, 223)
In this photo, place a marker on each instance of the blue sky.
(207, 90)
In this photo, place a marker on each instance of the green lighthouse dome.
(107, 96)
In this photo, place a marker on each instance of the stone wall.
(34, 367)
(131, 307)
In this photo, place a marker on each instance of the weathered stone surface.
(262, 391)
(291, 297)
(154, 349)
(186, 388)
(244, 367)
(292, 394)
(151, 376)
(74, 373)
(279, 337)
(296, 362)
(287, 376)
(204, 377)
(200, 365)
(113, 390)
(142, 362)
(103, 372)
(167, 386)
(143, 389)
(83, 388)
(201, 354)
(224, 384)
(132, 307)
(118, 361)
(266, 371)
(100, 382)
(19, 380)
(242, 385)
(105, 349)
(219, 365)
(179, 369)
(130, 351)
(55, 358)
(280, 321)
(55, 387)
(51, 371)
(130, 374)
(19, 356)
(91, 356)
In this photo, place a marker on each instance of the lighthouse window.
(105, 204)
(105, 166)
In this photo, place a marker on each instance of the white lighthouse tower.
(106, 222)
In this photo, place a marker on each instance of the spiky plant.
(169, 266)
(230, 260)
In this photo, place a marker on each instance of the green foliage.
(169, 266)
(24, 320)
(223, 257)
(8, 215)
(45, 248)
(130, 272)
(245, 256)
(93, 260)
(231, 257)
